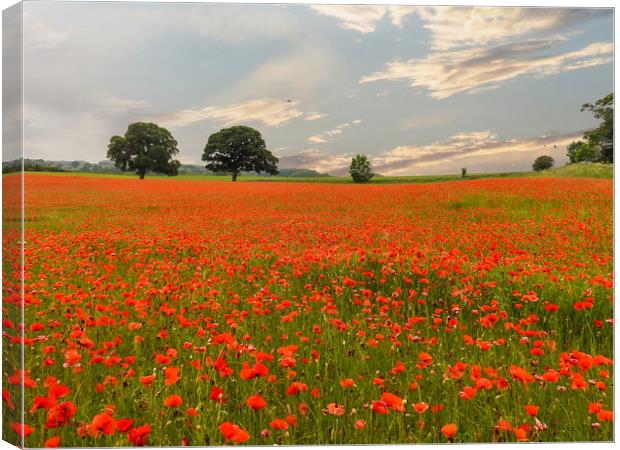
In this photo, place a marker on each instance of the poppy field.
(167, 312)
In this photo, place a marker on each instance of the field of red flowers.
(178, 312)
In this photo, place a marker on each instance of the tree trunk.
(234, 176)
(142, 175)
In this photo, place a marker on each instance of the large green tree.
(145, 147)
(603, 135)
(579, 151)
(599, 142)
(238, 149)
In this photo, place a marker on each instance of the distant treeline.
(42, 165)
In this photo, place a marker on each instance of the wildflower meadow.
(170, 312)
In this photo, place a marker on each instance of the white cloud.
(330, 135)
(314, 116)
(112, 105)
(268, 111)
(453, 27)
(364, 18)
(447, 73)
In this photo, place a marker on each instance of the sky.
(420, 90)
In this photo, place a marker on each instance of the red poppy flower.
(137, 436)
(420, 407)
(449, 430)
(532, 410)
(234, 433)
(103, 423)
(173, 401)
(256, 402)
(172, 375)
(22, 429)
(52, 442)
(278, 424)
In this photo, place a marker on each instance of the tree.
(238, 149)
(145, 147)
(360, 169)
(543, 162)
(599, 142)
(579, 151)
(603, 135)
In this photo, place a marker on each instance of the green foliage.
(543, 162)
(580, 151)
(599, 145)
(301, 173)
(239, 149)
(360, 169)
(145, 147)
(581, 170)
(30, 165)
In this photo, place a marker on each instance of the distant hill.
(42, 165)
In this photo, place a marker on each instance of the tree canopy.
(145, 147)
(543, 162)
(599, 142)
(238, 149)
(360, 169)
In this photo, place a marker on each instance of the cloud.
(314, 116)
(270, 112)
(364, 18)
(316, 159)
(447, 73)
(113, 105)
(479, 149)
(455, 27)
(297, 73)
(406, 159)
(428, 120)
(330, 135)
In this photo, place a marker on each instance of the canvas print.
(299, 224)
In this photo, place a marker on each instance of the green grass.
(579, 170)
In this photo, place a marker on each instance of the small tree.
(360, 169)
(145, 147)
(238, 149)
(543, 162)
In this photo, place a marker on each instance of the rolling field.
(192, 312)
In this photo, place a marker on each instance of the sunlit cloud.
(316, 159)
(439, 156)
(330, 135)
(454, 27)
(314, 116)
(269, 112)
(112, 104)
(364, 18)
(406, 159)
(447, 73)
